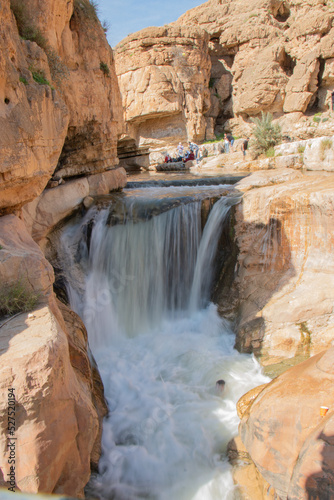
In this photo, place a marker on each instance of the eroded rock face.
(285, 435)
(285, 270)
(44, 358)
(164, 78)
(53, 205)
(266, 55)
(71, 122)
(33, 119)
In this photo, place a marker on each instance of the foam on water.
(160, 353)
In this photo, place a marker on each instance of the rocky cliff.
(60, 108)
(265, 55)
(164, 79)
(60, 117)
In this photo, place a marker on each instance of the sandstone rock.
(303, 83)
(33, 119)
(42, 214)
(247, 399)
(83, 68)
(250, 485)
(318, 153)
(44, 357)
(36, 118)
(88, 202)
(164, 76)
(285, 435)
(85, 367)
(271, 51)
(284, 281)
(53, 205)
(21, 259)
(56, 421)
(107, 182)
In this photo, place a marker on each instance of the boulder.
(285, 434)
(284, 278)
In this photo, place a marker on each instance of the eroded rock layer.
(164, 80)
(283, 284)
(60, 108)
(265, 55)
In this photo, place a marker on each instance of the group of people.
(194, 152)
(191, 153)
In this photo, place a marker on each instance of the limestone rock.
(53, 205)
(164, 77)
(290, 443)
(33, 119)
(284, 274)
(53, 413)
(44, 357)
(21, 259)
(70, 123)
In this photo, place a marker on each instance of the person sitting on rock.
(167, 158)
(189, 156)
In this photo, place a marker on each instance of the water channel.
(140, 269)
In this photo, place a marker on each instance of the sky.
(127, 16)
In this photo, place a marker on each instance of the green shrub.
(39, 76)
(25, 24)
(23, 80)
(28, 31)
(301, 149)
(317, 119)
(211, 82)
(266, 134)
(270, 153)
(218, 138)
(89, 8)
(324, 146)
(58, 69)
(104, 68)
(17, 298)
(105, 25)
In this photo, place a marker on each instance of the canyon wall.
(60, 117)
(265, 55)
(164, 79)
(281, 294)
(60, 108)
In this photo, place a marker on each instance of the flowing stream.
(140, 269)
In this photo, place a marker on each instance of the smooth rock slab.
(290, 443)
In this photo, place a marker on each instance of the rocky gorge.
(69, 107)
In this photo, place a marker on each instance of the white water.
(159, 354)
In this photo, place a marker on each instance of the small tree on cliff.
(266, 134)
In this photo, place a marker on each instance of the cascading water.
(142, 287)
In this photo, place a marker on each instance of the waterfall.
(141, 282)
